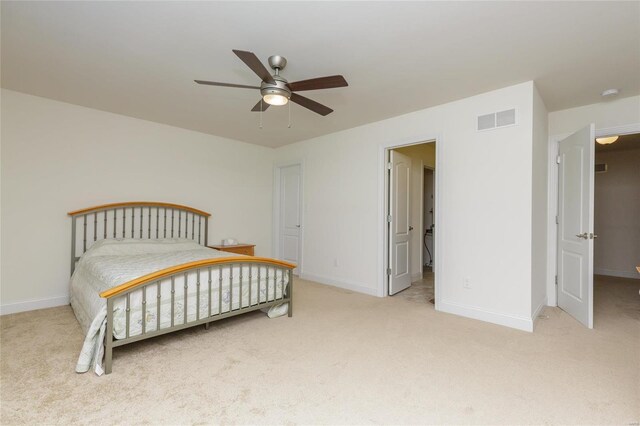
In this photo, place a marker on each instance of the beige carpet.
(343, 358)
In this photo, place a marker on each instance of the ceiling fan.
(276, 90)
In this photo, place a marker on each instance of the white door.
(575, 225)
(290, 214)
(399, 222)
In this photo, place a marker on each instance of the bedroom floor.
(342, 358)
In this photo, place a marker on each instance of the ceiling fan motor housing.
(277, 62)
(279, 88)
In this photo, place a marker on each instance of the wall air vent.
(497, 119)
(486, 122)
(601, 168)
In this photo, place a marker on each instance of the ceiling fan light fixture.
(277, 94)
(606, 141)
(275, 99)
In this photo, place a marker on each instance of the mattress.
(109, 263)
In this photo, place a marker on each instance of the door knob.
(411, 228)
(593, 236)
(583, 235)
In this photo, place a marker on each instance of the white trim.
(552, 190)
(513, 321)
(615, 273)
(32, 305)
(438, 241)
(344, 284)
(275, 246)
(536, 312)
(552, 226)
(421, 221)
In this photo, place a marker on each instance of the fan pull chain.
(260, 113)
(289, 126)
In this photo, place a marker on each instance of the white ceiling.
(140, 58)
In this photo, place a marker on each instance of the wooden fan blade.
(309, 104)
(215, 83)
(319, 83)
(257, 107)
(256, 66)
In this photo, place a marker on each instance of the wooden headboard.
(135, 219)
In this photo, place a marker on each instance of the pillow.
(132, 246)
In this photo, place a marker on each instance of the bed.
(142, 269)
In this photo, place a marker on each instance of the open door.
(399, 196)
(575, 225)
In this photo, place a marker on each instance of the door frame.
(383, 206)
(552, 200)
(277, 169)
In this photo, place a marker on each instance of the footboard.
(191, 294)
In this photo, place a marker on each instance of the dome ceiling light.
(610, 93)
(607, 140)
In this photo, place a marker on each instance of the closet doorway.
(288, 214)
(596, 213)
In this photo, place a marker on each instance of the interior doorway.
(410, 227)
(429, 218)
(617, 206)
(598, 234)
(616, 212)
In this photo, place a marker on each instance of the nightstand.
(246, 249)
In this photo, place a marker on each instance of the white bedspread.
(109, 263)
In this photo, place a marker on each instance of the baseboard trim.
(614, 273)
(536, 312)
(32, 305)
(513, 321)
(343, 284)
(417, 277)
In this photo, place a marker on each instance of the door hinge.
(388, 271)
(388, 218)
(558, 159)
(557, 220)
(556, 280)
(389, 165)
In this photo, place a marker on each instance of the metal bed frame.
(154, 220)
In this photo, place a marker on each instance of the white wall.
(617, 113)
(617, 214)
(539, 206)
(58, 157)
(485, 204)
